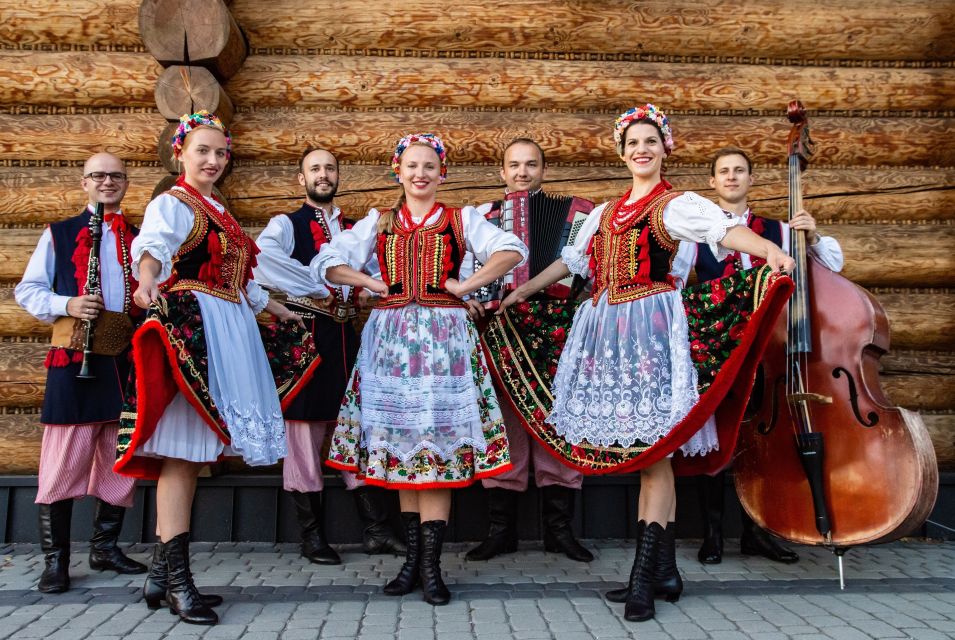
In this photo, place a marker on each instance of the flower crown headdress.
(429, 139)
(647, 112)
(192, 121)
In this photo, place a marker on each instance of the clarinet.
(93, 287)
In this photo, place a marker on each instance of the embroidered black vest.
(709, 268)
(68, 401)
(416, 263)
(216, 257)
(633, 263)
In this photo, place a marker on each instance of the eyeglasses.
(100, 176)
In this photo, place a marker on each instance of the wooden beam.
(193, 33)
(104, 23)
(77, 78)
(814, 30)
(271, 81)
(476, 137)
(40, 195)
(187, 89)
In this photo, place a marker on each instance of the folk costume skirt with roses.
(420, 411)
(622, 386)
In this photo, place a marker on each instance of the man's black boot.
(756, 542)
(55, 543)
(105, 554)
(710, 490)
(502, 525)
(378, 536)
(558, 514)
(310, 509)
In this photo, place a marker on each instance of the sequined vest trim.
(415, 264)
(633, 263)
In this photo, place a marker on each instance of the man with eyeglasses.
(80, 417)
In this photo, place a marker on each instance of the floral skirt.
(419, 411)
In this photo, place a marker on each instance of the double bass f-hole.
(873, 417)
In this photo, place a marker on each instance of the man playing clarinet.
(731, 177)
(80, 417)
(287, 245)
(547, 219)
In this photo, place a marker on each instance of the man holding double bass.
(731, 177)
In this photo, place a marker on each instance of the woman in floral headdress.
(420, 415)
(626, 386)
(203, 385)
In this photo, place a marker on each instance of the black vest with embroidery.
(216, 257)
(416, 263)
(68, 401)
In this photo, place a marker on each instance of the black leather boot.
(710, 490)
(408, 576)
(378, 536)
(104, 552)
(157, 581)
(55, 543)
(181, 593)
(502, 525)
(558, 513)
(639, 606)
(432, 584)
(667, 581)
(620, 595)
(756, 542)
(311, 520)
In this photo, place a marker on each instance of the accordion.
(546, 224)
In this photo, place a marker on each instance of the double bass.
(823, 457)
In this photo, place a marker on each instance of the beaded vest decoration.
(416, 260)
(632, 251)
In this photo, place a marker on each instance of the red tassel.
(382, 262)
(77, 356)
(57, 358)
(81, 258)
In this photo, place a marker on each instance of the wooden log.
(14, 321)
(20, 438)
(369, 81)
(39, 195)
(815, 30)
(921, 391)
(475, 137)
(847, 195)
(181, 90)
(193, 33)
(101, 23)
(941, 427)
(22, 376)
(902, 361)
(77, 78)
(920, 320)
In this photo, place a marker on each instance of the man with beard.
(80, 417)
(287, 245)
(731, 176)
(523, 170)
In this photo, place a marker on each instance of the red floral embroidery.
(81, 258)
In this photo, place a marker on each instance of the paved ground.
(902, 590)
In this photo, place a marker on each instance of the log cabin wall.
(877, 78)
